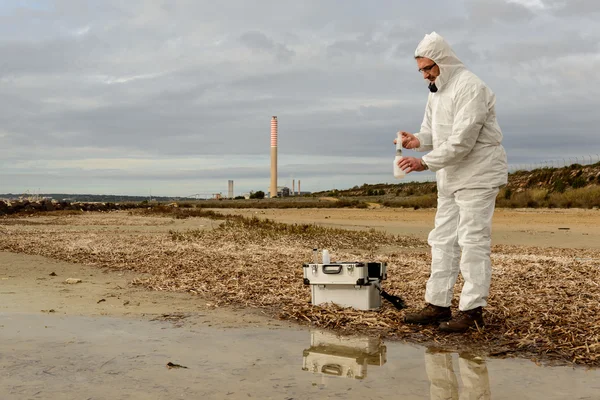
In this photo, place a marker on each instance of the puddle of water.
(69, 357)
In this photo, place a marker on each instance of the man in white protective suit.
(463, 140)
(443, 382)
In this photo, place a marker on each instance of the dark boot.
(429, 315)
(463, 321)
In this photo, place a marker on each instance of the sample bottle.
(398, 172)
(315, 256)
(325, 256)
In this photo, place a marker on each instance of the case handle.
(332, 369)
(332, 269)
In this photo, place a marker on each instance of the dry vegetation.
(574, 186)
(545, 303)
(289, 202)
(586, 197)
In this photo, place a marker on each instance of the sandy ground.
(104, 339)
(34, 284)
(99, 338)
(570, 228)
(27, 286)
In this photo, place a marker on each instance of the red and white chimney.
(273, 189)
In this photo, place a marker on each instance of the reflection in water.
(330, 355)
(443, 381)
(347, 357)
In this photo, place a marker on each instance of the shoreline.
(149, 266)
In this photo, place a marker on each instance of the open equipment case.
(347, 284)
(335, 356)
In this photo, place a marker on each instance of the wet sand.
(105, 339)
(68, 357)
(109, 350)
(26, 286)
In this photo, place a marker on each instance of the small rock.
(53, 274)
(73, 281)
(126, 302)
(173, 365)
(100, 301)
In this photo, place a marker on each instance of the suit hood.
(435, 47)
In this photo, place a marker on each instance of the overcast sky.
(176, 97)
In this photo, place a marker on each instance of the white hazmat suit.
(444, 383)
(463, 138)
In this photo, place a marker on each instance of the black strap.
(396, 301)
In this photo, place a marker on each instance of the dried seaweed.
(544, 303)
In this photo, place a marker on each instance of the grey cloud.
(482, 12)
(47, 57)
(573, 7)
(260, 41)
(257, 40)
(365, 44)
(307, 170)
(467, 52)
(549, 47)
(405, 40)
(136, 84)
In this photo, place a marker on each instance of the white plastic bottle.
(398, 172)
(325, 256)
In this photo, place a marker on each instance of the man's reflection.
(443, 381)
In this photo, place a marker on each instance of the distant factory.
(274, 190)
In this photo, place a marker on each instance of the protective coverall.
(444, 383)
(463, 138)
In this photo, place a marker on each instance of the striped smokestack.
(273, 190)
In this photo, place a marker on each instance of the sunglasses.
(427, 68)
